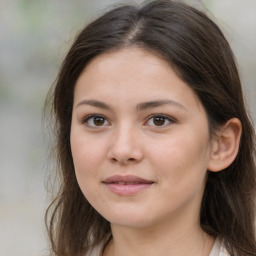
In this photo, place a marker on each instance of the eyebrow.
(94, 103)
(159, 103)
(140, 107)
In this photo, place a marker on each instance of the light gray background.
(34, 36)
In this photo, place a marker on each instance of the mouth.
(127, 185)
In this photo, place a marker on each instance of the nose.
(125, 146)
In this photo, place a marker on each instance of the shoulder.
(95, 250)
(219, 249)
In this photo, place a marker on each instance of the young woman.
(154, 145)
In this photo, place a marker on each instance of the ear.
(225, 145)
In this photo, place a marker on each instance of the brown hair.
(199, 53)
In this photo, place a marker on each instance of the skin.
(173, 151)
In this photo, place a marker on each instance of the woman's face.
(140, 140)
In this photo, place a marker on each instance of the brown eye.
(95, 121)
(98, 121)
(159, 121)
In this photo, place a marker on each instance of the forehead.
(128, 60)
(132, 74)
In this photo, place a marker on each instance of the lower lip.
(129, 189)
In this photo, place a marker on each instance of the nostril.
(123, 160)
(114, 160)
(124, 155)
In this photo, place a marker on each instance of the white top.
(218, 249)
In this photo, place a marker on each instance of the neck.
(163, 240)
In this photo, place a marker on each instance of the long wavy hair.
(196, 49)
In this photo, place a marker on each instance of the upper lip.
(127, 179)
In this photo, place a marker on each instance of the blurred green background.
(34, 37)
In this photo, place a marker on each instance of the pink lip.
(127, 185)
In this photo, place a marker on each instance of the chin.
(128, 219)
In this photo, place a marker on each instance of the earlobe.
(225, 145)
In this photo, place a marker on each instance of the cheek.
(87, 150)
(87, 155)
(183, 158)
(84, 157)
(85, 160)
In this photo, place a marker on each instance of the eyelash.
(164, 117)
(92, 117)
(86, 120)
